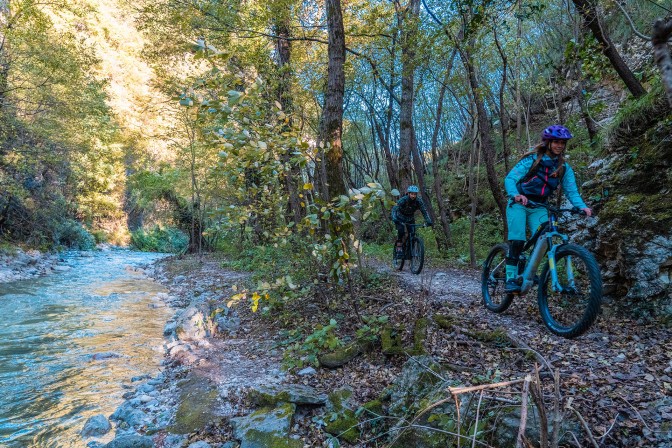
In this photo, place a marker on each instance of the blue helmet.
(556, 132)
(413, 189)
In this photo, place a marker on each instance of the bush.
(71, 234)
(160, 239)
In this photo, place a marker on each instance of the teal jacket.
(568, 184)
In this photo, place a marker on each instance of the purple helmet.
(556, 132)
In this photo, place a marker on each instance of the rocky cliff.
(630, 190)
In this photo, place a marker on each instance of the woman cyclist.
(535, 177)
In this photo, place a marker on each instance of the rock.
(175, 441)
(197, 404)
(104, 355)
(179, 279)
(343, 355)
(131, 441)
(506, 431)
(96, 426)
(228, 324)
(146, 388)
(199, 444)
(195, 323)
(340, 419)
(139, 378)
(170, 328)
(287, 393)
(266, 427)
(308, 371)
(128, 414)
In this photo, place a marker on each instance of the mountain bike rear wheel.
(571, 311)
(493, 280)
(417, 254)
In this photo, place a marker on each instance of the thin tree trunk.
(409, 34)
(4, 52)
(587, 10)
(438, 187)
(284, 51)
(331, 122)
(519, 102)
(473, 174)
(484, 130)
(502, 108)
(661, 53)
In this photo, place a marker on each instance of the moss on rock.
(390, 339)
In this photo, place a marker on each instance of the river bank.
(19, 264)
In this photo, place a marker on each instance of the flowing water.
(71, 341)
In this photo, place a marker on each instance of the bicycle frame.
(408, 237)
(545, 246)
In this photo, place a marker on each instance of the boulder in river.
(96, 426)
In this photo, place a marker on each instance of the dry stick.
(610, 428)
(538, 397)
(522, 345)
(585, 425)
(459, 420)
(555, 435)
(523, 412)
(462, 390)
(636, 411)
(478, 411)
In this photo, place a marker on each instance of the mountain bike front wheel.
(397, 263)
(571, 311)
(417, 254)
(493, 280)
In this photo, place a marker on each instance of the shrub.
(71, 234)
(160, 239)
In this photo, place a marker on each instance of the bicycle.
(570, 284)
(413, 249)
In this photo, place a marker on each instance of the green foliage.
(488, 232)
(159, 239)
(306, 353)
(71, 234)
(372, 328)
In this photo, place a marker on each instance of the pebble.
(307, 371)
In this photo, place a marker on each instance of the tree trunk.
(587, 10)
(4, 52)
(331, 122)
(284, 51)
(485, 134)
(408, 37)
(473, 176)
(502, 107)
(661, 53)
(438, 187)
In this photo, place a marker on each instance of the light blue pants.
(517, 216)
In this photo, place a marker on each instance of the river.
(71, 342)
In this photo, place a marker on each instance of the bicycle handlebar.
(573, 210)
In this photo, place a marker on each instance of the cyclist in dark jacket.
(535, 177)
(403, 213)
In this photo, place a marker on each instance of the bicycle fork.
(569, 273)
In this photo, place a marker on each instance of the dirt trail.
(619, 373)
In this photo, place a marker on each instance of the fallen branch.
(523, 346)
(636, 411)
(464, 390)
(584, 424)
(523, 413)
